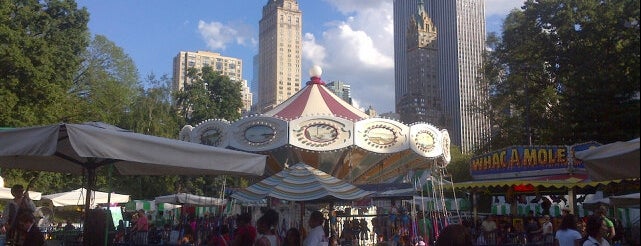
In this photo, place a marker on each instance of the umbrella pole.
(91, 180)
(302, 216)
(111, 167)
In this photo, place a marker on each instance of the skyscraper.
(461, 42)
(279, 54)
(403, 11)
(229, 66)
(422, 101)
(461, 46)
(341, 90)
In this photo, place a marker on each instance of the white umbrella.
(628, 200)
(5, 194)
(618, 160)
(77, 198)
(191, 199)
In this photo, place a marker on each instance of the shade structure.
(550, 181)
(77, 198)
(5, 194)
(72, 148)
(190, 199)
(301, 182)
(628, 200)
(82, 148)
(618, 160)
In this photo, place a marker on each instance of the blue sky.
(352, 40)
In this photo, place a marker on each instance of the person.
(455, 235)
(69, 226)
(595, 232)
(21, 201)
(141, 228)
(29, 231)
(292, 238)
(316, 235)
(547, 230)
(609, 231)
(59, 227)
(532, 229)
(567, 234)
(489, 229)
(364, 230)
(245, 233)
(565, 211)
(219, 236)
(265, 226)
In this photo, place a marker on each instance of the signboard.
(528, 161)
(520, 161)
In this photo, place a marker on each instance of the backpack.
(619, 231)
(583, 239)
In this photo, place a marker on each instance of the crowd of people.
(18, 223)
(569, 230)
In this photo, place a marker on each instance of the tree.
(152, 111)
(459, 166)
(106, 84)
(563, 73)
(40, 53)
(209, 95)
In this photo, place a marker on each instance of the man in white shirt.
(316, 236)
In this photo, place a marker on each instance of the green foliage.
(209, 95)
(152, 112)
(106, 84)
(563, 73)
(459, 166)
(39, 55)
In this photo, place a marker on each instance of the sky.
(352, 40)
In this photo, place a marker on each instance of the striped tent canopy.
(301, 182)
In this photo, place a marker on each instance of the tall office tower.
(253, 87)
(461, 41)
(422, 101)
(246, 95)
(279, 53)
(229, 66)
(403, 11)
(341, 90)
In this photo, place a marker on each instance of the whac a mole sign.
(527, 161)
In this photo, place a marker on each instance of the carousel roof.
(318, 128)
(316, 99)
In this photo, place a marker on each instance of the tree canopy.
(39, 56)
(209, 95)
(563, 73)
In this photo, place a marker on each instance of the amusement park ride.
(318, 128)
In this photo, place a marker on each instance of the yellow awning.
(554, 181)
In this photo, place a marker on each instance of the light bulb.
(315, 71)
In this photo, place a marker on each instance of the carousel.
(319, 129)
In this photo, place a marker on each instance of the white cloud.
(218, 35)
(359, 50)
(501, 7)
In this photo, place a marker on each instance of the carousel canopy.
(318, 128)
